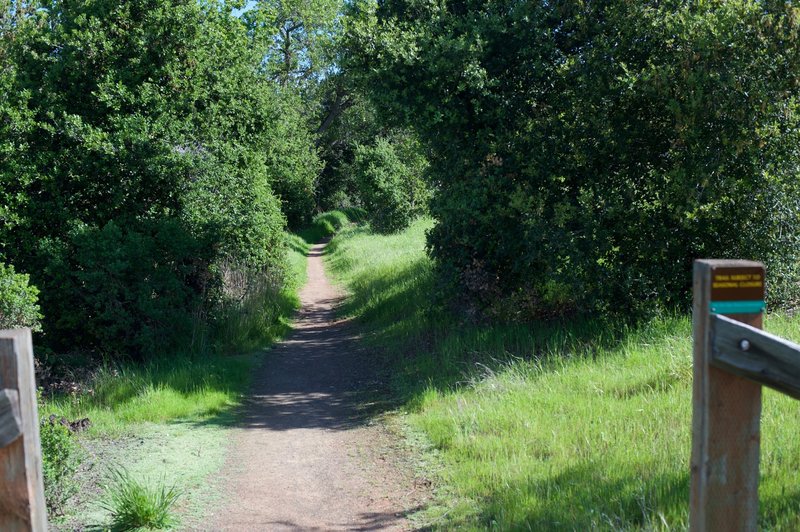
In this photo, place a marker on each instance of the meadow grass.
(574, 425)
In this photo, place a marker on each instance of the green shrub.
(329, 223)
(18, 300)
(134, 505)
(61, 457)
(123, 290)
(132, 177)
(390, 183)
(594, 149)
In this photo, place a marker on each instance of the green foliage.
(296, 37)
(134, 505)
(140, 288)
(587, 152)
(577, 424)
(350, 120)
(155, 155)
(390, 182)
(61, 456)
(18, 300)
(293, 162)
(329, 223)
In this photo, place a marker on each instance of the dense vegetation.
(574, 159)
(568, 425)
(145, 152)
(584, 153)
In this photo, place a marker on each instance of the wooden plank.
(10, 422)
(765, 358)
(22, 505)
(725, 420)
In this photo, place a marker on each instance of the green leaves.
(141, 146)
(18, 300)
(600, 147)
(390, 182)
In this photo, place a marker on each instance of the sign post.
(727, 407)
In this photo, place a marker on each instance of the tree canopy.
(585, 153)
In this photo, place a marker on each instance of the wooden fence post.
(727, 408)
(22, 505)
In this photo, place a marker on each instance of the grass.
(552, 425)
(134, 505)
(182, 386)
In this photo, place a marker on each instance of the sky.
(247, 7)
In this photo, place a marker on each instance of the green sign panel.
(737, 307)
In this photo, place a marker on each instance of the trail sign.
(737, 289)
(733, 357)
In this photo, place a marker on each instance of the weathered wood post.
(727, 407)
(22, 505)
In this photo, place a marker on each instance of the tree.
(389, 177)
(296, 36)
(587, 152)
(144, 164)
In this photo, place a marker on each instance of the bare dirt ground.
(307, 455)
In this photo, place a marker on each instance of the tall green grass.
(135, 505)
(571, 425)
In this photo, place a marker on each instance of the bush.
(126, 290)
(18, 300)
(134, 505)
(133, 176)
(390, 183)
(588, 152)
(329, 223)
(60, 461)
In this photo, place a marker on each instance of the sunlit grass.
(579, 425)
(180, 388)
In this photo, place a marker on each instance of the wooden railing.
(733, 358)
(22, 504)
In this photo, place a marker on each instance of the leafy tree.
(390, 182)
(18, 300)
(296, 36)
(143, 153)
(587, 152)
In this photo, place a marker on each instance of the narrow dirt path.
(307, 457)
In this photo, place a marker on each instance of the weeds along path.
(307, 456)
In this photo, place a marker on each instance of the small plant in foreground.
(134, 505)
(60, 460)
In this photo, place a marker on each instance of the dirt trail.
(306, 456)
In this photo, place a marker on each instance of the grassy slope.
(549, 426)
(166, 421)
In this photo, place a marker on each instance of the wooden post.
(727, 408)
(22, 505)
